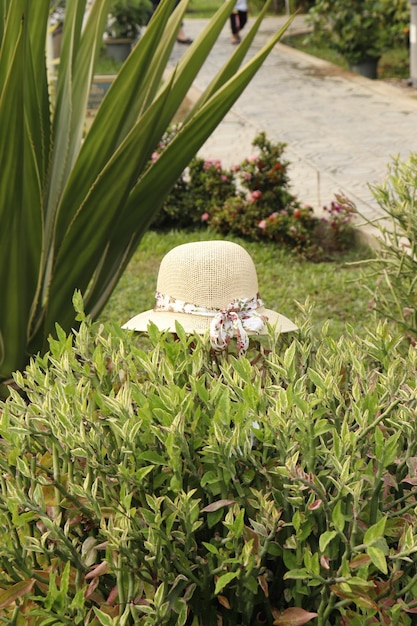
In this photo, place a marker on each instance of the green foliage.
(161, 487)
(394, 62)
(360, 29)
(127, 17)
(199, 191)
(394, 265)
(252, 200)
(203, 8)
(265, 184)
(75, 205)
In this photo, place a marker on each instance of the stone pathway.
(341, 130)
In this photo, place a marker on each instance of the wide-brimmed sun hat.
(210, 286)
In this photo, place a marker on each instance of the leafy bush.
(395, 262)
(264, 180)
(360, 29)
(147, 484)
(253, 200)
(127, 17)
(199, 192)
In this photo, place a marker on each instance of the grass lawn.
(336, 290)
(203, 8)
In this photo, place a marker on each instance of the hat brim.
(199, 324)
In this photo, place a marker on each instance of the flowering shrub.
(264, 175)
(336, 230)
(294, 227)
(198, 193)
(253, 200)
(209, 186)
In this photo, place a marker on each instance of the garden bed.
(393, 65)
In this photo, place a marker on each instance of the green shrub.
(155, 486)
(198, 193)
(127, 17)
(253, 200)
(394, 264)
(360, 29)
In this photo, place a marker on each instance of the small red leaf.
(97, 570)
(358, 561)
(324, 562)
(112, 597)
(263, 583)
(91, 588)
(215, 506)
(224, 601)
(8, 596)
(315, 505)
(294, 617)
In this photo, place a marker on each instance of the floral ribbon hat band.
(210, 286)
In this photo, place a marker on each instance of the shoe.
(235, 40)
(185, 41)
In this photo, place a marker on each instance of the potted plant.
(360, 30)
(124, 24)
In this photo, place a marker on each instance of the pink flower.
(235, 168)
(262, 224)
(225, 178)
(254, 195)
(273, 216)
(247, 176)
(155, 156)
(253, 158)
(215, 163)
(205, 217)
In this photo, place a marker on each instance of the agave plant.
(74, 206)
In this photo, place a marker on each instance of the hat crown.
(208, 274)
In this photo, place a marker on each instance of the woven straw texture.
(209, 274)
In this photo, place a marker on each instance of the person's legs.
(182, 37)
(243, 18)
(235, 26)
(238, 20)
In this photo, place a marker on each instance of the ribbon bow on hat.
(238, 318)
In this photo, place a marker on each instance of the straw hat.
(210, 285)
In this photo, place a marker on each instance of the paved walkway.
(341, 130)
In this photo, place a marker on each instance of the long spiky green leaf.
(163, 173)
(107, 133)
(74, 208)
(20, 193)
(99, 214)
